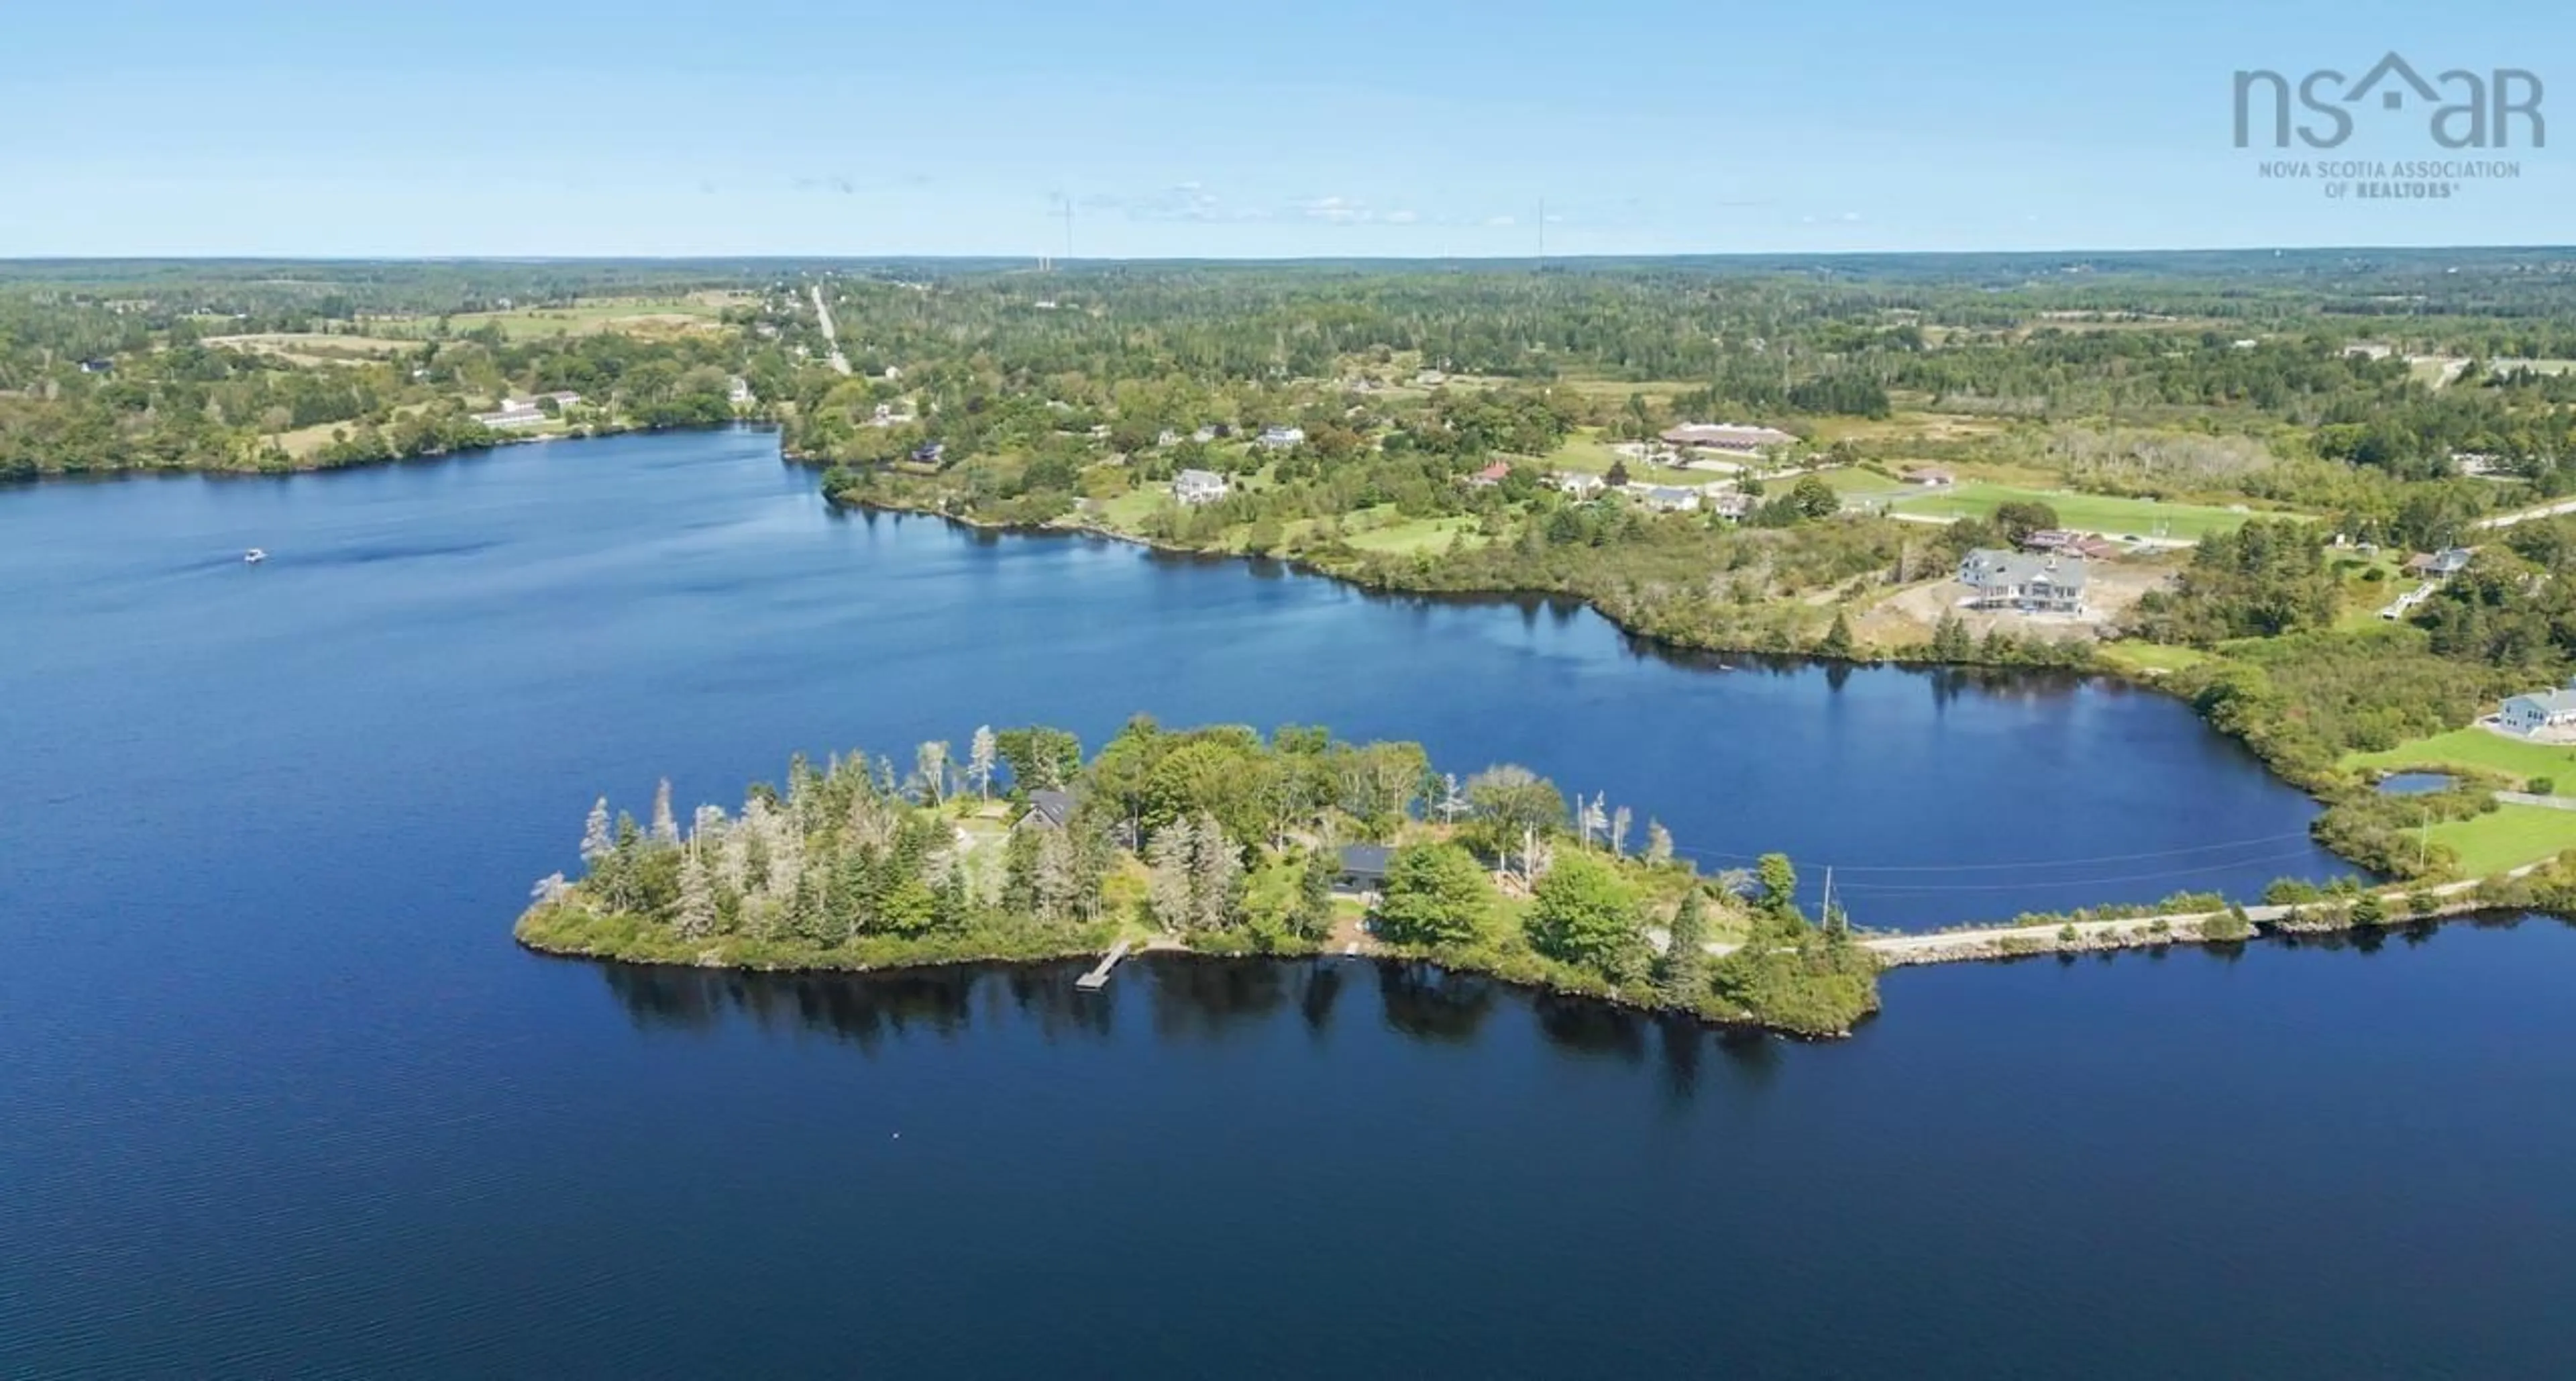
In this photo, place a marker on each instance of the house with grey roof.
(2031, 582)
(1049, 809)
(1360, 869)
(1199, 486)
(2530, 714)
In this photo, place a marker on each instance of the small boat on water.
(254, 556)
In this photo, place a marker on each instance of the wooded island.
(1214, 839)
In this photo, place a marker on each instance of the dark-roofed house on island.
(1361, 868)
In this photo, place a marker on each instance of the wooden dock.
(1098, 978)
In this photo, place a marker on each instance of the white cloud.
(1338, 210)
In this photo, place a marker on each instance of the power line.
(2028, 865)
(1898, 888)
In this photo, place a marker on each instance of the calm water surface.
(278, 1097)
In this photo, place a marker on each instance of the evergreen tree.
(1682, 971)
(979, 761)
(1838, 639)
(1216, 875)
(1168, 856)
(1312, 918)
(1779, 883)
(666, 826)
(596, 842)
(1435, 895)
(1064, 892)
(696, 917)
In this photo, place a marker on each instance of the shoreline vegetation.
(1212, 839)
(2338, 531)
(1220, 841)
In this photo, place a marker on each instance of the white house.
(1578, 484)
(1665, 498)
(1199, 486)
(1281, 438)
(514, 412)
(1734, 437)
(2034, 583)
(2549, 709)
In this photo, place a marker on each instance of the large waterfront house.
(1199, 486)
(514, 412)
(2530, 714)
(2032, 583)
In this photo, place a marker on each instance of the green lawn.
(1417, 534)
(1586, 453)
(2508, 838)
(2083, 512)
(2476, 748)
(1126, 513)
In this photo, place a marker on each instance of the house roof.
(1050, 807)
(1498, 470)
(1988, 568)
(1725, 434)
(1199, 479)
(1366, 860)
(2550, 704)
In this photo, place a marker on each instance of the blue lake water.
(277, 1095)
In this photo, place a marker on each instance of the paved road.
(831, 337)
(2547, 510)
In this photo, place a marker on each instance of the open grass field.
(1908, 425)
(1127, 512)
(2476, 748)
(628, 315)
(1587, 453)
(2508, 838)
(314, 347)
(2083, 512)
(1407, 536)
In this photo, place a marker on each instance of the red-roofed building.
(1492, 474)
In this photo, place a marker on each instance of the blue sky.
(1326, 128)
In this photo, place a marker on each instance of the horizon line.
(1064, 261)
